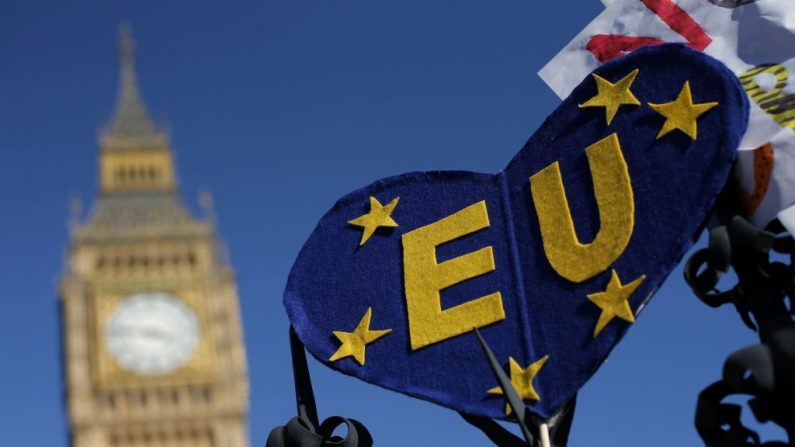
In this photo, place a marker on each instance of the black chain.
(765, 371)
(304, 429)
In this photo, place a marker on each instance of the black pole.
(305, 430)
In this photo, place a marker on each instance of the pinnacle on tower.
(131, 125)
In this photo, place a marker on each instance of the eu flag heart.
(551, 259)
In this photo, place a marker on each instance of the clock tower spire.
(152, 337)
(131, 122)
(134, 155)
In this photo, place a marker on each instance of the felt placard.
(551, 258)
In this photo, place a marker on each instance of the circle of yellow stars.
(680, 114)
(353, 344)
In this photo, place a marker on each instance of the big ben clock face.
(152, 333)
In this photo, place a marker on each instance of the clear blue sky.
(279, 108)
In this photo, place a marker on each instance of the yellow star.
(612, 96)
(353, 343)
(614, 301)
(379, 216)
(522, 380)
(681, 113)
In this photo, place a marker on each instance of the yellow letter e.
(425, 278)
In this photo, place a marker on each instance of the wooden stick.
(544, 434)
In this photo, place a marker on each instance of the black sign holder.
(305, 430)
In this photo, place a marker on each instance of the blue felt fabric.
(675, 182)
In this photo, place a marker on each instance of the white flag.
(754, 38)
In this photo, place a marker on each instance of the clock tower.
(152, 338)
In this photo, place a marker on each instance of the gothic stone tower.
(153, 344)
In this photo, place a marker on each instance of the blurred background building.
(152, 339)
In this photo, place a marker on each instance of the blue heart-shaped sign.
(551, 259)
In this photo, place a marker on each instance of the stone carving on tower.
(152, 336)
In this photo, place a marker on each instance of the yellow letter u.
(569, 257)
